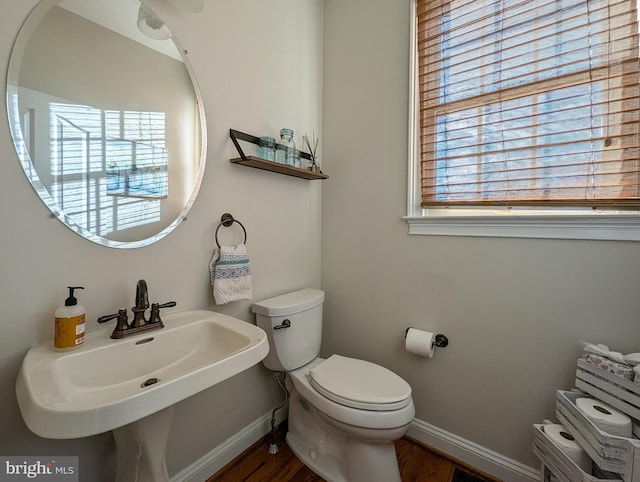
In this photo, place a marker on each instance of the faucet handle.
(154, 317)
(122, 323)
(105, 318)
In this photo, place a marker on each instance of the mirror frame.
(13, 74)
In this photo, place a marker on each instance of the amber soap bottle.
(70, 323)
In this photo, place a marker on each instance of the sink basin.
(109, 383)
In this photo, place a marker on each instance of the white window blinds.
(528, 102)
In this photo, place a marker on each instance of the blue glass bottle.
(267, 148)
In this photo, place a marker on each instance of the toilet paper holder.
(441, 341)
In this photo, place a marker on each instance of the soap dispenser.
(70, 323)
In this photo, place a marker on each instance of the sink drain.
(149, 382)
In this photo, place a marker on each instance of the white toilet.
(344, 413)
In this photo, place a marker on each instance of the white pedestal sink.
(130, 385)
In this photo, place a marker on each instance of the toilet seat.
(372, 419)
(360, 384)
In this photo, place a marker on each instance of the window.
(527, 107)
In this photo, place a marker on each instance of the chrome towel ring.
(227, 220)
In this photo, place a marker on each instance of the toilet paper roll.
(565, 441)
(420, 342)
(604, 417)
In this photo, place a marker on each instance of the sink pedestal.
(141, 448)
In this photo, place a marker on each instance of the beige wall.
(232, 47)
(514, 310)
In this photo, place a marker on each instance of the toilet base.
(326, 465)
(335, 455)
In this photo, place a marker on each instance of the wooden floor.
(417, 464)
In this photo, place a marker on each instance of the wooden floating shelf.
(264, 164)
(259, 163)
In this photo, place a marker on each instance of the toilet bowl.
(344, 413)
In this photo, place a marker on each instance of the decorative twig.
(312, 150)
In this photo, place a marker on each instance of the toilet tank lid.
(290, 303)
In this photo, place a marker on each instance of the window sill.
(608, 227)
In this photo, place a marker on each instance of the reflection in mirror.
(108, 123)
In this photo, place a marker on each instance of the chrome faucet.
(139, 323)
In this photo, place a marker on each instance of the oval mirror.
(106, 119)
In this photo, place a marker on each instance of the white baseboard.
(210, 463)
(464, 450)
(473, 454)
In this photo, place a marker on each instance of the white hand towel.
(230, 274)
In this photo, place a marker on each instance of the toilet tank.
(293, 323)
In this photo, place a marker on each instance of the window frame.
(512, 221)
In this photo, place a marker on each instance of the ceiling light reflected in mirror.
(150, 25)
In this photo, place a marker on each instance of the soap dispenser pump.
(70, 323)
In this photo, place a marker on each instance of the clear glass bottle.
(287, 149)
